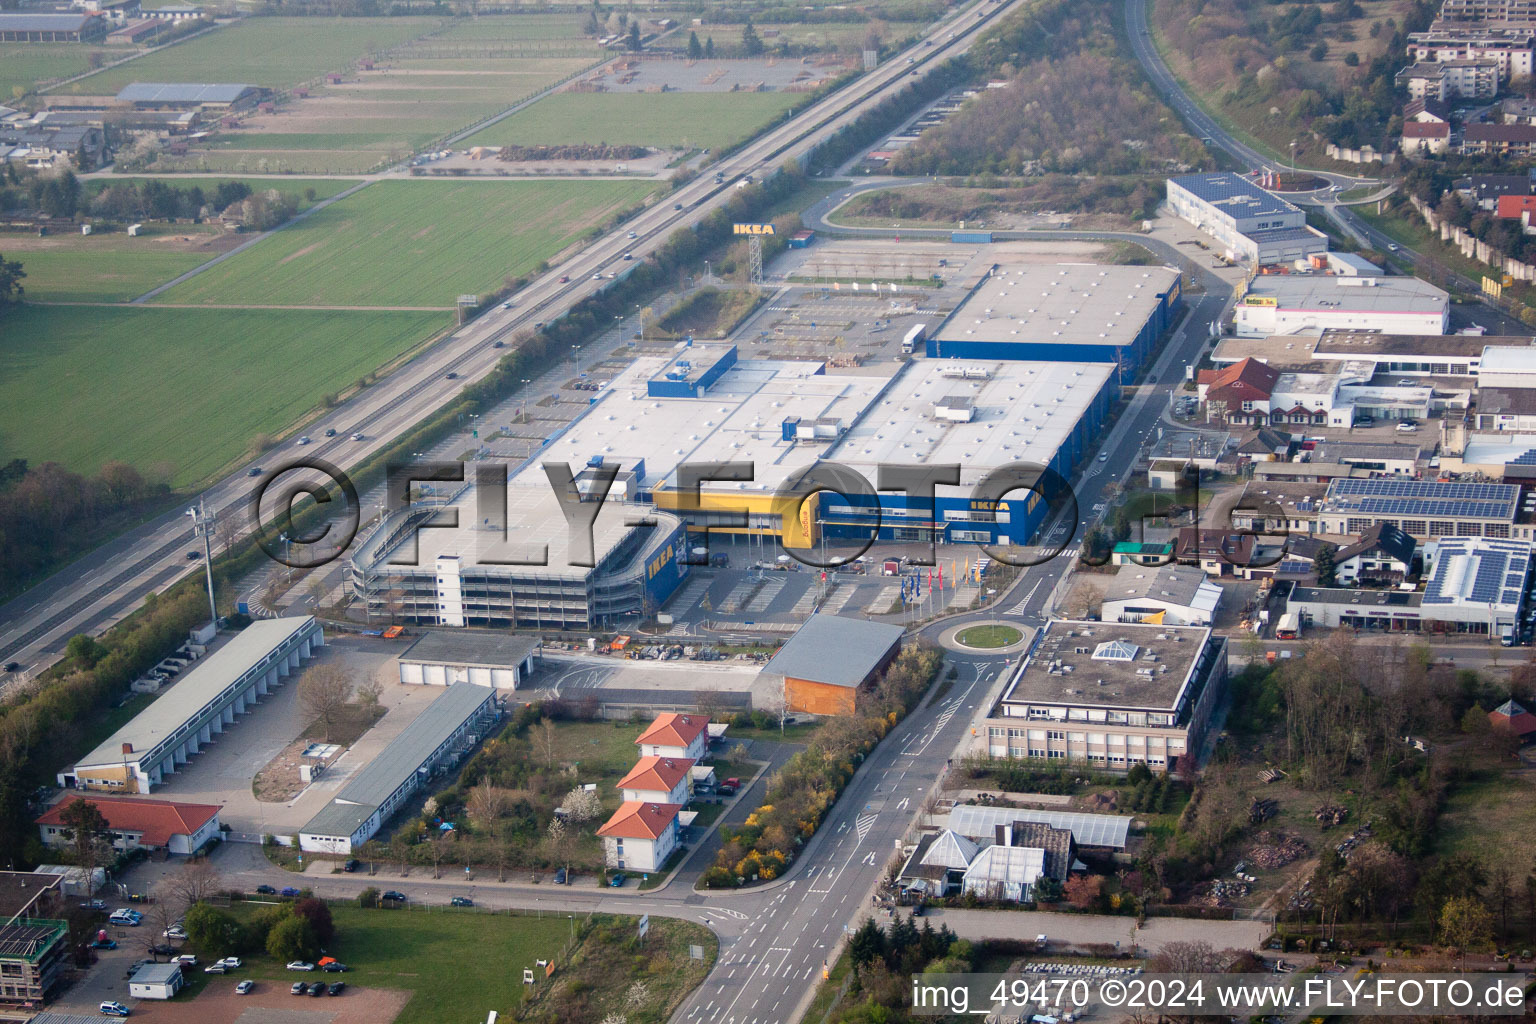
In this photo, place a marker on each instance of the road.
(104, 585)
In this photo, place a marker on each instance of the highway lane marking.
(865, 823)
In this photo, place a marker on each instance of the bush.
(292, 938)
(369, 897)
(212, 931)
(318, 914)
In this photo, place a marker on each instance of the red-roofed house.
(1512, 718)
(659, 780)
(640, 836)
(1425, 137)
(1239, 393)
(140, 824)
(672, 735)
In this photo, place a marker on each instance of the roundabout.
(986, 637)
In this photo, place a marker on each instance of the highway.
(111, 581)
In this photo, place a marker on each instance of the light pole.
(525, 382)
(202, 526)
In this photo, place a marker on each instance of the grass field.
(274, 52)
(606, 748)
(24, 65)
(433, 954)
(679, 120)
(187, 389)
(298, 188)
(1492, 811)
(989, 636)
(119, 270)
(412, 243)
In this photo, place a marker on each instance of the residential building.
(1509, 46)
(640, 836)
(1172, 594)
(658, 780)
(1475, 78)
(1143, 553)
(133, 824)
(34, 941)
(1382, 556)
(1266, 444)
(1294, 303)
(681, 737)
(1518, 110)
(1420, 508)
(1484, 190)
(1249, 223)
(208, 697)
(498, 660)
(830, 659)
(1428, 111)
(47, 146)
(1507, 140)
(436, 741)
(1509, 12)
(77, 27)
(1107, 694)
(1238, 394)
(1431, 138)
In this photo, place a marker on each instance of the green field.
(274, 52)
(184, 388)
(413, 243)
(682, 120)
(324, 188)
(24, 65)
(116, 271)
(846, 35)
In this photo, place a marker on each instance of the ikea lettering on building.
(659, 562)
(753, 229)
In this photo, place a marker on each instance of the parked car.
(338, 987)
(351, 865)
(244, 988)
(124, 916)
(175, 931)
(104, 944)
(317, 989)
(560, 876)
(93, 905)
(398, 897)
(1406, 426)
(113, 1009)
(298, 988)
(617, 881)
(231, 962)
(461, 901)
(189, 959)
(266, 890)
(335, 967)
(1365, 421)
(289, 890)
(299, 965)
(216, 968)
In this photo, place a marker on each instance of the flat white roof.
(1322, 293)
(1497, 449)
(739, 418)
(1508, 359)
(1067, 303)
(203, 683)
(1023, 412)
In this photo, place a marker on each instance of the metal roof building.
(188, 94)
(438, 738)
(1250, 223)
(1105, 831)
(829, 658)
(1296, 303)
(50, 28)
(205, 700)
(1070, 312)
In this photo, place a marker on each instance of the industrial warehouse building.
(1420, 508)
(1079, 313)
(51, 28)
(437, 740)
(1108, 694)
(1295, 303)
(1251, 224)
(498, 660)
(830, 659)
(207, 698)
(218, 96)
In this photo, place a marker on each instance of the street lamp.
(525, 382)
(202, 526)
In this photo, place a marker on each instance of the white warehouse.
(498, 660)
(1310, 303)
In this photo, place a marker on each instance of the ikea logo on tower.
(752, 229)
(659, 562)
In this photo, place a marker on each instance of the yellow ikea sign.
(753, 229)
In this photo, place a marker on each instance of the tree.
(1083, 891)
(709, 48)
(695, 48)
(318, 913)
(867, 944)
(545, 742)
(292, 938)
(1465, 924)
(86, 826)
(85, 650)
(10, 280)
(324, 691)
(1323, 564)
(582, 804)
(1352, 59)
(751, 44)
(210, 930)
(196, 882)
(1319, 51)
(368, 691)
(487, 805)
(633, 40)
